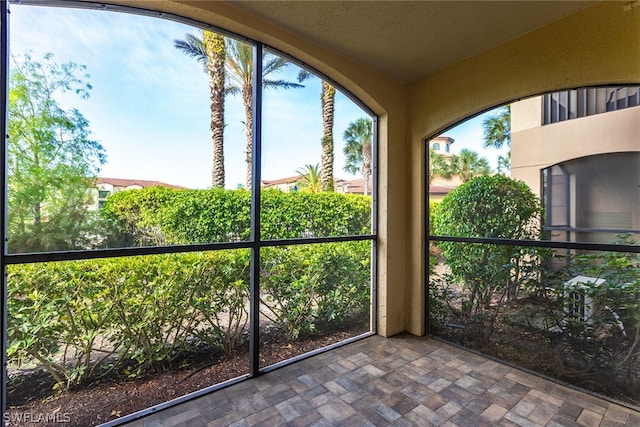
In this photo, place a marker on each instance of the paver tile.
(403, 381)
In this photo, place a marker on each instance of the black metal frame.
(4, 123)
(255, 243)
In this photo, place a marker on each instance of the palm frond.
(304, 75)
(274, 65)
(231, 90)
(497, 129)
(192, 46)
(281, 84)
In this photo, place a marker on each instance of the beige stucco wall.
(526, 114)
(599, 45)
(538, 147)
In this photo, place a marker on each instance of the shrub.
(304, 286)
(80, 320)
(169, 216)
(488, 206)
(75, 318)
(433, 208)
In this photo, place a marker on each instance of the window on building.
(576, 103)
(592, 199)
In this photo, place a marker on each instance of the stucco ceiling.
(409, 39)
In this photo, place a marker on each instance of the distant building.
(105, 187)
(442, 145)
(354, 186)
(580, 151)
(293, 183)
(439, 187)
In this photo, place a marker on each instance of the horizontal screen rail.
(538, 243)
(35, 257)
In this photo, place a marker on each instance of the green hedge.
(169, 216)
(82, 319)
(78, 318)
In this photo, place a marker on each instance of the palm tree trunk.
(247, 98)
(366, 164)
(215, 47)
(328, 100)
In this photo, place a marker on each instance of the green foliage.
(170, 216)
(291, 215)
(307, 285)
(496, 132)
(137, 213)
(50, 157)
(467, 165)
(357, 149)
(440, 298)
(310, 175)
(615, 303)
(82, 319)
(438, 166)
(433, 208)
(489, 206)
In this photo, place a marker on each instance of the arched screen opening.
(181, 214)
(533, 231)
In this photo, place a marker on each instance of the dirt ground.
(110, 399)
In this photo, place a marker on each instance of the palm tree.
(310, 175)
(497, 132)
(357, 149)
(239, 66)
(328, 102)
(327, 99)
(438, 166)
(468, 165)
(209, 50)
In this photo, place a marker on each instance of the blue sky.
(149, 106)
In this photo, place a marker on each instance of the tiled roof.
(440, 189)
(354, 186)
(290, 179)
(122, 182)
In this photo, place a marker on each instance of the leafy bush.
(613, 305)
(306, 285)
(170, 216)
(134, 314)
(433, 208)
(80, 320)
(489, 206)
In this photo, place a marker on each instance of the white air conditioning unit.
(577, 302)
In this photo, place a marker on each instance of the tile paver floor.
(399, 381)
